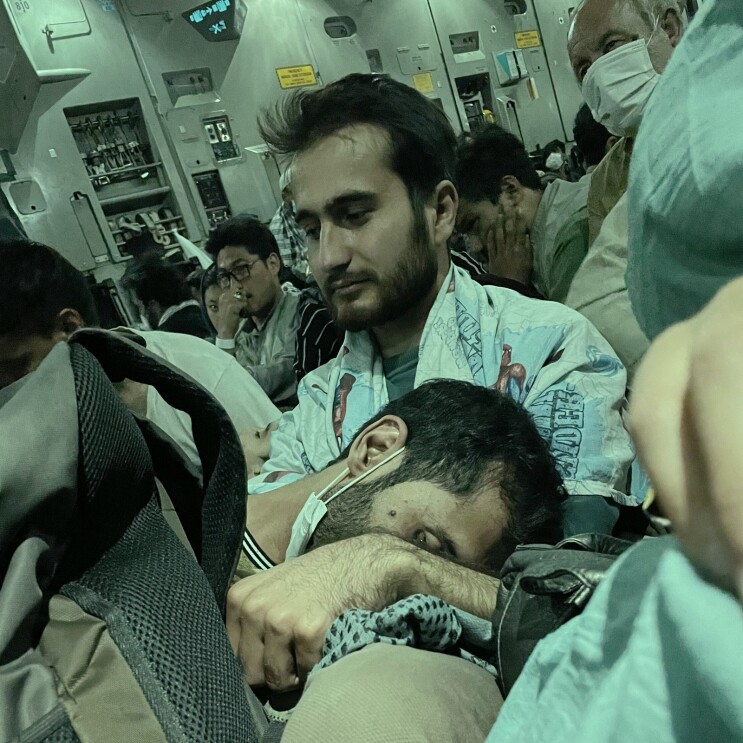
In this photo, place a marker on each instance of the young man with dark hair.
(163, 292)
(257, 320)
(520, 230)
(474, 479)
(377, 238)
(44, 300)
(452, 470)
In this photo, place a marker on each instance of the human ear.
(68, 321)
(512, 190)
(447, 203)
(376, 442)
(274, 264)
(672, 24)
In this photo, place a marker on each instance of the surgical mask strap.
(315, 509)
(655, 28)
(331, 485)
(357, 480)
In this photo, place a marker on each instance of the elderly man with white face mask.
(618, 50)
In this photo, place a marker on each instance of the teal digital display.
(219, 20)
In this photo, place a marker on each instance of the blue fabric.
(657, 656)
(544, 356)
(686, 179)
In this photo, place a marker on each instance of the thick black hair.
(209, 278)
(488, 156)
(37, 284)
(150, 279)
(141, 244)
(245, 231)
(422, 141)
(590, 136)
(465, 439)
(195, 279)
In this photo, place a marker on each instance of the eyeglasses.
(240, 272)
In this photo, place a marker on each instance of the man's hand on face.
(509, 248)
(229, 314)
(277, 620)
(687, 421)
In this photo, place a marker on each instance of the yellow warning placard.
(423, 82)
(297, 77)
(527, 39)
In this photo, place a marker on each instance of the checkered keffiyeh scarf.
(424, 622)
(290, 239)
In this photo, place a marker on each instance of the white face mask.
(555, 161)
(618, 86)
(315, 508)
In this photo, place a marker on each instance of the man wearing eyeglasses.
(257, 320)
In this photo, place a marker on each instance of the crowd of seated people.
(377, 239)
(47, 300)
(434, 419)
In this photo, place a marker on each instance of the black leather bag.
(542, 587)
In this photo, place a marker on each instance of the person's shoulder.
(316, 389)
(464, 260)
(162, 342)
(614, 234)
(515, 309)
(612, 158)
(195, 356)
(576, 225)
(187, 320)
(619, 151)
(319, 379)
(292, 300)
(276, 219)
(569, 195)
(311, 305)
(512, 308)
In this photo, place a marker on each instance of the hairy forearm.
(406, 570)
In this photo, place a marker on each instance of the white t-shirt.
(240, 395)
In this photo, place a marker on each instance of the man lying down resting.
(448, 471)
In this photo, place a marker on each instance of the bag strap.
(179, 478)
(603, 544)
(224, 495)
